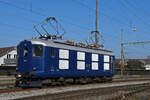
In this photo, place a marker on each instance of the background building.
(8, 56)
(133, 66)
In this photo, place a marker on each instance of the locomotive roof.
(63, 45)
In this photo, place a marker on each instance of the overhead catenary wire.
(110, 17)
(92, 9)
(20, 16)
(81, 27)
(130, 51)
(22, 8)
(16, 27)
(38, 13)
(8, 42)
(43, 15)
(76, 25)
(132, 8)
(127, 4)
(26, 3)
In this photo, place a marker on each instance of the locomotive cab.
(30, 61)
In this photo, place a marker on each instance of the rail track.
(124, 90)
(11, 88)
(130, 91)
(110, 93)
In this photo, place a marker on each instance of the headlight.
(18, 75)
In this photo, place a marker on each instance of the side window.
(52, 52)
(37, 51)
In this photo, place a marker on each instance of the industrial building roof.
(5, 50)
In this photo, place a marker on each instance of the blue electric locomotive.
(43, 61)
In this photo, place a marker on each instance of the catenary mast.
(96, 31)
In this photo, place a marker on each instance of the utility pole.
(95, 43)
(96, 31)
(122, 54)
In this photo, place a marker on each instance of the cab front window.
(25, 51)
(37, 51)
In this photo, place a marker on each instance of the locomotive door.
(26, 55)
(52, 59)
(37, 58)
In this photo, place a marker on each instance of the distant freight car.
(46, 61)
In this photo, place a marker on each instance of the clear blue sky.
(17, 18)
